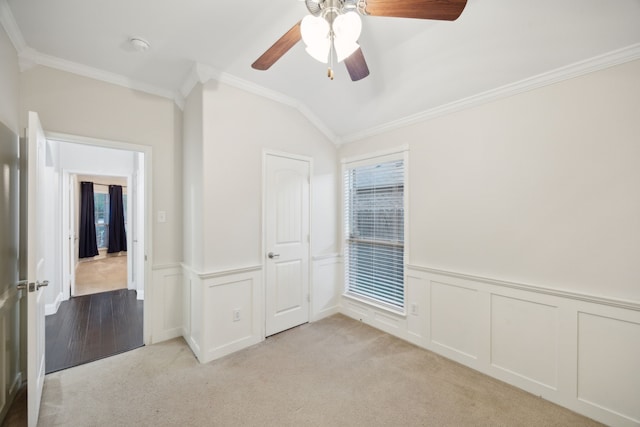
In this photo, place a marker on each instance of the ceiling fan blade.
(444, 10)
(279, 48)
(357, 66)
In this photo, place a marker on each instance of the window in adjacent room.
(374, 219)
(101, 212)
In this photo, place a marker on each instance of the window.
(101, 211)
(374, 229)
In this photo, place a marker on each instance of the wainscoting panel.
(455, 318)
(227, 311)
(326, 286)
(167, 289)
(607, 347)
(417, 300)
(579, 351)
(230, 307)
(524, 339)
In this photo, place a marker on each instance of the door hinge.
(308, 297)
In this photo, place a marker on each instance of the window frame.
(401, 153)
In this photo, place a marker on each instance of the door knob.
(42, 284)
(271, 255)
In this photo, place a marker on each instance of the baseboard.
(140, 294)
(52, 308)
(325, 313)
(229, 348)
(193, 345)
(15, 384)
(168, 334)
(12, 392)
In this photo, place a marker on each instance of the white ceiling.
(416, 66)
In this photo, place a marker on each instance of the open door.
(33, 283)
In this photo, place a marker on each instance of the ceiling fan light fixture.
(339, 28)
(320, 51)
(314, 30)
(315, 34)
(346, 29)
(348, 26)
(344, 49)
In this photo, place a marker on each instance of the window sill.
(376, 304)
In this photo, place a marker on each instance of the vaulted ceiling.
(417, 66)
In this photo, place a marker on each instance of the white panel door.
(286, 242)
(36, 151)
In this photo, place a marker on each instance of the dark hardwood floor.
(91, 327)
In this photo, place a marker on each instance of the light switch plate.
(162, 216)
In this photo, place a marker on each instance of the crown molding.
(201, 73)
(8, 22)
(609, 59)
(30, 57)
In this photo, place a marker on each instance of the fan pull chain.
(330, 69)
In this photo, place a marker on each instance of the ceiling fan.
(333, 28)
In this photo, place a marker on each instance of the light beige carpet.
(335, 372)
(102, 275)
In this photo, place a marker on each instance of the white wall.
(193, 182)
(226, 132)
(81, 106)
(538, 188)
(238, 125)
(9, 72)
(524, 240)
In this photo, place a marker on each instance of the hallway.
(92, 327)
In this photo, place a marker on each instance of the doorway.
(98, 308)
(108, 270)
(287, 240)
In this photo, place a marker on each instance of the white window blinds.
(374, 230)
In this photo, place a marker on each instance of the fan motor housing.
(323, 7)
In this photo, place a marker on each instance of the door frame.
(68, 244)
(148, 214)
(263, 248)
